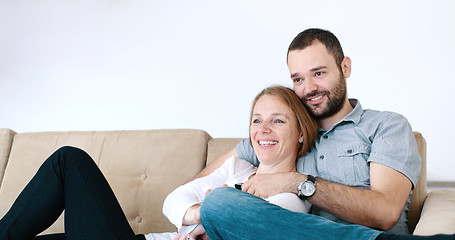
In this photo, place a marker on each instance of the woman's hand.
(192, 215)
(198, 233)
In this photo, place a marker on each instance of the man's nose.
(309, 86)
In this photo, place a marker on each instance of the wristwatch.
(307, 188)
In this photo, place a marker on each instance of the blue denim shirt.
(343, 153)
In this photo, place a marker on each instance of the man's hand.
(197, 233)
(266, 185)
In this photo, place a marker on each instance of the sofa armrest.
(438, 214)
(6, 141)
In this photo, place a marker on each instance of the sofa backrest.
(219, 146)
(142, 167)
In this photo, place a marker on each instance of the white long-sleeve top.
(232, 172)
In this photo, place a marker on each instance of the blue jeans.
(228, 213)
(68, 180)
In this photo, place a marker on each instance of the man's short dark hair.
(328, 39)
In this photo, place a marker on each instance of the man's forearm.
(378, 207)
(359, 206)
(215, 164)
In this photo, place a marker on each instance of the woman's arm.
(181, 206)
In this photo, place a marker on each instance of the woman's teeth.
(267, 143)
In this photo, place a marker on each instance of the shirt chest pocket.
(354, 165)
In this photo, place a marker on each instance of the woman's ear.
(301, 138)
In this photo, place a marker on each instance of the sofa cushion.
(142, 167)
(438, 214)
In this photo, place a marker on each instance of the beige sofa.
(143, 167)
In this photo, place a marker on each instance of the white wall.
(141, 64)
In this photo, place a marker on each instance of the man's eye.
(319, 74)
(297, 80)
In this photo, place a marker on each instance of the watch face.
(308, 188)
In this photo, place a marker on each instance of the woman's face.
(274, 130)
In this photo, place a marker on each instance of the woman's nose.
(265, 127)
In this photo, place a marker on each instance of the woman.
(280, 131)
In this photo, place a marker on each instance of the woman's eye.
(278, 121)
(256, 121)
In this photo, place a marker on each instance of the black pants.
(68, 180)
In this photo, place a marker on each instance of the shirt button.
(325, 137)
(350, 151)
(138, 219)
(321, 157)
(143, 177)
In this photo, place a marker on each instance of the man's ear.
(346, 67)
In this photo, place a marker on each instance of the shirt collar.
(353, 116)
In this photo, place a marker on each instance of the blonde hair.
(307, 125)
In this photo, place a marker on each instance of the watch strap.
(309, 178)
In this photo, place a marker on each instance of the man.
(364, 164)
